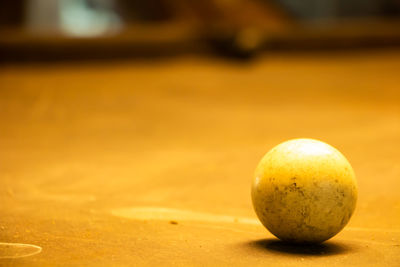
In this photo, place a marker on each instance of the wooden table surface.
(150, 163)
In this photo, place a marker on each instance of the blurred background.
(79, 29)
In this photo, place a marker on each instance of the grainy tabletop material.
(150, 163)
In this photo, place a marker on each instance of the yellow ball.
(304, 191)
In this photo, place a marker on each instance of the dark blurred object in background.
(333, 9)
(12, 13)
(84, 29)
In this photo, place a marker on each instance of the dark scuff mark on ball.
(294, 187)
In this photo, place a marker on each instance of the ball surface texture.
(304, 191)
